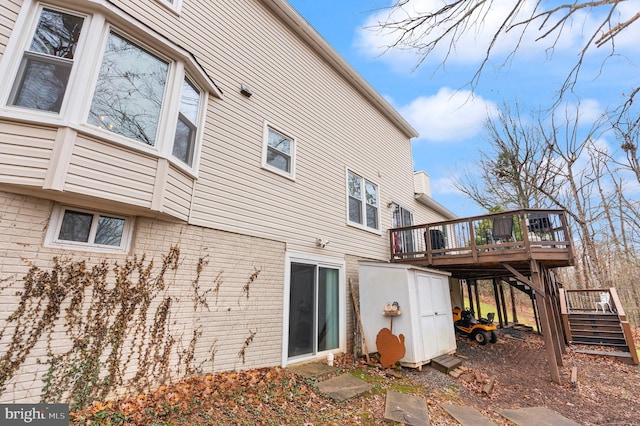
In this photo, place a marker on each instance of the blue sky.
(436, 99)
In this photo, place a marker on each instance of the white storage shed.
(424, 301)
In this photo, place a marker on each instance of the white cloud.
(589, 112)
(449, 115)
(445, 186)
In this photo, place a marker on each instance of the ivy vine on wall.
(116, 317)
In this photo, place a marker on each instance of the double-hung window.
(279, 152)
(140, 97)
(363, 201)
(175, 5)
(44, 72)
(187, 127)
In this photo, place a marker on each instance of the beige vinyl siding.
(103, 170)
(177, 197)
(24, 153)
(8, 16)
(299, 93)
(422, 214)
(295, 90)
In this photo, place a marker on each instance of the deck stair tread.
(599, 343)
(612, 325)
(597, 332)
(620, 354)
(521, 286)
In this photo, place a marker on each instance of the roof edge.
(308, 33)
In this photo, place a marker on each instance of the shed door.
(435, 316)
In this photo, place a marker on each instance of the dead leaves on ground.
(262, 396)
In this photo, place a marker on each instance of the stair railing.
(582, 301)
(626, 327)
(564, 314)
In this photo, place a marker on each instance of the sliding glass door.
(314, 304)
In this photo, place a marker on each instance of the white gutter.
(306, 32)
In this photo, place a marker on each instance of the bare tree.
(547, 163)
(513, 166)
(444, 25)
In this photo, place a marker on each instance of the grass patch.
(382, 383)
(525, 313)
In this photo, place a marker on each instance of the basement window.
(89, 230)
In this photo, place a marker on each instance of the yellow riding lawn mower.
(482, 330)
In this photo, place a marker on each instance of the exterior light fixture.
(246, 90)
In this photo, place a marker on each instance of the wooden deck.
(480, 247)
(516, 246)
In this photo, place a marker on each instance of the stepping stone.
(343, 387)
(467, 416)
(407, 409)
(537, 416)
(310, 370)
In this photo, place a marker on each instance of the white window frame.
(363, 200)
(173, 5)
(291, 174)
(403, 242)
(318, 261)
(85, 69)
(400, 209)
(43, 58)
(57, 215)
(195, 149)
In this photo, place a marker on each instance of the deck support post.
(470, 295)
(536, 315)
(477, 292)
(504, 305)
(514, 311)
(555, 308)
(496, 296)
(550, 342)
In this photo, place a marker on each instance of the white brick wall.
(225, 324)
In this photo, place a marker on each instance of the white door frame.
(319, 261)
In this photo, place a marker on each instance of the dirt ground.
(607, 391)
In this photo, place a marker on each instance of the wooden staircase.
(584, 325)
(602, 329)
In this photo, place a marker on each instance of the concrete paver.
(343, 387)
(537, 416)
(310, 370)
(467, 416)
(407, 409)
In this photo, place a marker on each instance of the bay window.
(185, 138)
(129, 91)
(139, 97)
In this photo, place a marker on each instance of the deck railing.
(514, 230)
(591, 300)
